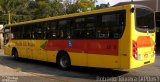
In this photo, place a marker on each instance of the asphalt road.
(36, 71)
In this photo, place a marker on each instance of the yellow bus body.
(31, 49)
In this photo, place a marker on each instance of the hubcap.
(64, 61)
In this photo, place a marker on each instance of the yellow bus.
(121, 37)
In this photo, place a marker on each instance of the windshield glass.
(6, 35)
(144, 20)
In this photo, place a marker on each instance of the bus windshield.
(144, 20)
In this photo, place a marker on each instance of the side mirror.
(132, 10)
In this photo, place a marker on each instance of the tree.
(71, 6)
(24, 10)
(56, 8)
(41, 10)
(102, 6)
(86, 5)
(11, 7)
(45, 8)
(79, 5)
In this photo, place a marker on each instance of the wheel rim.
(14, 54)
(64, 61)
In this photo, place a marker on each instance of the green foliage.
(86, 4)
(41, 10)
(3, 19)
(79, 6)
(24, 10)
(102, 6)
(56, 8)
(47, 9)
(12, 7)
(72, 8)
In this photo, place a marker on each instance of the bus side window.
(35, 31)
(39, 31)
(51, 30)
(104, 30)
(27, 31)
(112, 25)
(50, 33)
(77, 28)
(17, 32)
(63, 29)
(90, 27)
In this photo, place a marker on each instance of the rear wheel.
(15, 54)
(63, 61)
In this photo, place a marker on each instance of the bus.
(121, 37)
(157, 20)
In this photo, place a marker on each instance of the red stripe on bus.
(103, 47)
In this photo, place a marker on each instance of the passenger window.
(38, 31)
(90, 27)
(77, 28)
(17, 32)
(112, 25)
(51, 30)
(63, 30)
(27, 32)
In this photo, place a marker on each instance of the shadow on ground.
(158, 51)
(51, 69)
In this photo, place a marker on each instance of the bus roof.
(70, 15)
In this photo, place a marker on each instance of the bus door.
(38, 52)
(6, 39)
(27, 43)
(28, 50)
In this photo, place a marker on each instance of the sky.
(113, 2)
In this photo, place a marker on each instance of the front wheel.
(15, 54)
(63, 61)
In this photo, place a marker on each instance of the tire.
(63, 61)
(15, 54)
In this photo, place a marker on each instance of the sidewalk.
(7, 71)
(9, 74)
(1, 51)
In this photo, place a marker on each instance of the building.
(1, 36)
(154, 4)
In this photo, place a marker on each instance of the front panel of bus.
(143, 37)
(7, 37)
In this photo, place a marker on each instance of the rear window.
(144, 20)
